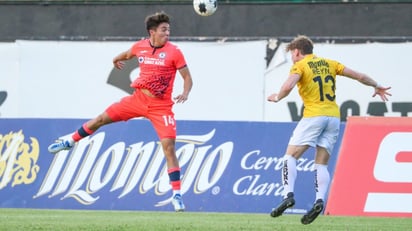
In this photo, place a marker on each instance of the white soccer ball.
(205, 7)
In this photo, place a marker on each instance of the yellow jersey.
(317, 85)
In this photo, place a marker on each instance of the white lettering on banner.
(261, 163)
(193, 167)
(152, 171)
(265, 163)
(133, 167)
(305, 165)
(203, 183)
(53, 173)
(387, 169)
(250, 185)
(82, 173)
(98, 180)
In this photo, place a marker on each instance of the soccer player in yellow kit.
(319, 127)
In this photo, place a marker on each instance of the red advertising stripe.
(373, 169)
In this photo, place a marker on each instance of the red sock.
(174, 176)
(82, 132)
(175, 185)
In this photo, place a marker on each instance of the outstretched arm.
(286, 88)
(368, 81)
(118, 60)
(187, 85)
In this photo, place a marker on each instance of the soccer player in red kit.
(159, 60)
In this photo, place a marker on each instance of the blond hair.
(302, 43)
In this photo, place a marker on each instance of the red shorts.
(158, 111)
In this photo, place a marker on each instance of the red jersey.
(158, 66)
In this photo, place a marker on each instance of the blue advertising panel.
(226, 166)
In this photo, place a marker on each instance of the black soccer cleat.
(310, 216)
(288, 202)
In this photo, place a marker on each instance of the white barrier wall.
(62, 79)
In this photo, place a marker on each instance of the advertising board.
(373, 174)
(226, 166)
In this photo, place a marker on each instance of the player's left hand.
(180, 98)
(382, 92)
(118, 64)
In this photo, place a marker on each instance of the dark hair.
(302, 43)
(153, 21)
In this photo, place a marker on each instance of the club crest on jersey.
(140, 59)
(162, 55)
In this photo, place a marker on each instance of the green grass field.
(60, 220)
